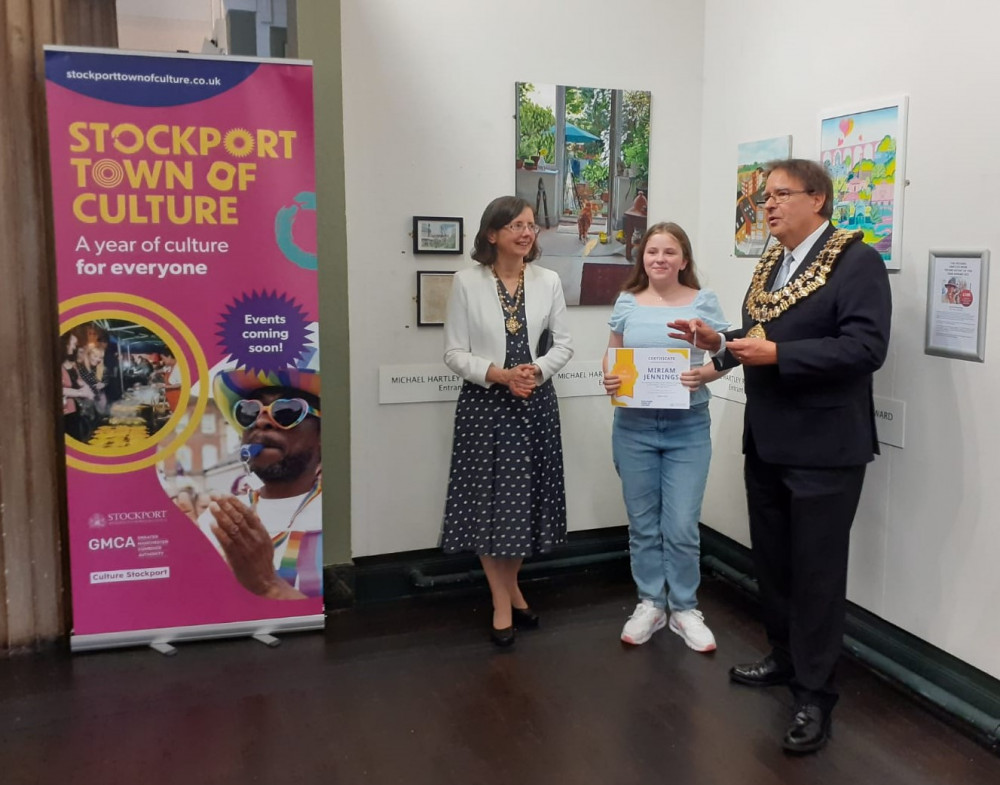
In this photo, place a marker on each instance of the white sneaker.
(644, 621)
(690, 625)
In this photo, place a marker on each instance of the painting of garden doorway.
(582, 163)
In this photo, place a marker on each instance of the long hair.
(498, 213)
(638, 280)
(64, 342)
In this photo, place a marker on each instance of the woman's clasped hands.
(521, 380)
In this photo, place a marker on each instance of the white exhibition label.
(890, 420)
(417, 383)
(730, 386)
(430, 382)
(890, 414)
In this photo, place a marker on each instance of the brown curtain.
(33, 576)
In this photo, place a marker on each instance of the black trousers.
(800, 527)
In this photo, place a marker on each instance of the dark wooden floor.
(414, 693)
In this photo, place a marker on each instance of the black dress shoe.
(524, 618)
(808, 730)
(502, 638)
(763, 673)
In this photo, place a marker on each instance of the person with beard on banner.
(272, 540)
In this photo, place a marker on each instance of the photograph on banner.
(185, 234)
(121, 385)
(257, 455)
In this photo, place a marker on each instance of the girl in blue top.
(662, 455)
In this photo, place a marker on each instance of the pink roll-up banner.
(183, 194)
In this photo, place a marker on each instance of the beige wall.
(32, 600)
(318, 36)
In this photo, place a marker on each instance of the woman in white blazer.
(505, 335)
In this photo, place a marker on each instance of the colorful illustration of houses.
(863, 193)
(750, 232)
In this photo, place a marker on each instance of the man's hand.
(248, 549)
(753, 351)
(696, 333)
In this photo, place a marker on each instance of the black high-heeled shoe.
(502, 638)
(524, 618)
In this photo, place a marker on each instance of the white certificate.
(651, 378)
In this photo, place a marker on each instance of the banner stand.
(184, 211)
(162, 640)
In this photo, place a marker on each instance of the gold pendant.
(757, 331)
(513, 325)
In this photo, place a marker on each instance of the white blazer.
(474, 333)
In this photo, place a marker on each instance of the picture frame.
(751, 235)
(433, 289)
(863, 148)
(598, 139)
(437, 235)
(957, 299)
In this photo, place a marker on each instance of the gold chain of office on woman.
(513, 325)
(763, 306)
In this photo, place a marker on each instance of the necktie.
(783, 272)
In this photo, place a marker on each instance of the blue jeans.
(662, 457)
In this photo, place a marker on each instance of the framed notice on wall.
(433, 289)
(957, 288)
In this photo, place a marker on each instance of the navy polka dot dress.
(506, 495)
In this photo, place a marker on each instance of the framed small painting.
(433, 289)
(752, 236)
(437, 235)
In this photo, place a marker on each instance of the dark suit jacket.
(815, 407)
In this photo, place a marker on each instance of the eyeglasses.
(518, 227)
(284, 412)
(782, 195)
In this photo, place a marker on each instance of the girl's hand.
(693, 379)
(612, 384)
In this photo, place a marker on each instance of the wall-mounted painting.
(582, 163)
(433, 290)
(437, 235)
(864, 150)
(751, 158)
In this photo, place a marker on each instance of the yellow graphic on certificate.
(623, 366)
(650, 378)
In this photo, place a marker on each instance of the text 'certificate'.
(651, 378)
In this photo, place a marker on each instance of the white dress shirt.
(801, 251)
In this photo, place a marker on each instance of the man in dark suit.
(815, 328)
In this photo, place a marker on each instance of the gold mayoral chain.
(763, 306)
(513, 325)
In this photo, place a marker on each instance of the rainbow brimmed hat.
(228, 387)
